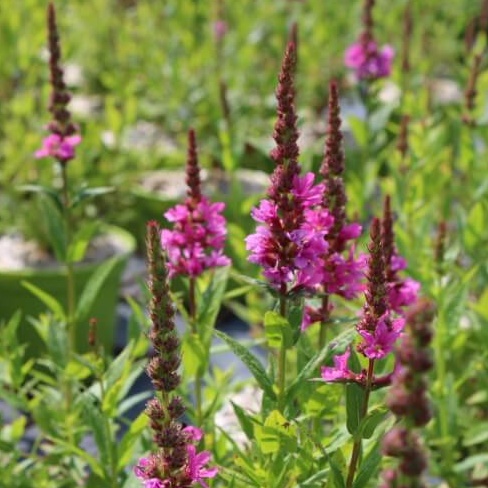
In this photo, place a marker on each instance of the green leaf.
(58, 344)
(81, 240)
(276, 434)
(89, 193)
(368, 467)
(247, 425)
(93, 288)
(368, 425)
(210, 303)
(471, 461)
(94, 463)
(278, 330)
(336, 462)
(52, 304)
(252, 363)
(354, 406)
(333, 348)
(56, 228)
(98, 425)
(194, 355)
(44, 190)
(225, 142)
(129, 442)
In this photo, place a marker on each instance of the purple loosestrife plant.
(196, 242)
(342, 272)
(407, 399)
(364, 56)
(63, 139)
(290, 239)
(369, 61)
(175, 464)
(378, 329)
(60, 145)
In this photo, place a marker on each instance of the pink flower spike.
(196, 466)
(340, 371)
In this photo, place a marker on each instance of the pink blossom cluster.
(289, 246)
(387, 294)
(194, 471)
(59, 147)
(401, 292)
(368, 61)
(197, 239)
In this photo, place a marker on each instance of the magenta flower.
(380, 341)
(149, 481)
(288, 246)
(403, 294)
(59, 147)
(197, 240)
(368, 61)
(220, 29)
(196, 470)
(194, 433)
(340, 371)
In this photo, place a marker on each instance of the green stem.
(324, 322)
(282, 360)
(356, 450)
(70, 276)
(194, 330)
(441, 373)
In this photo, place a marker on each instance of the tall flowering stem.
(175, 464)
(292, 227)
(60, 145)
(402, 292)
(407, 399)
(195, 244)
(378, 335)
(364, 56)
(343, 272)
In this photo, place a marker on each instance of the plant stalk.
(70, 276)
(324, 322)
(356, 450)
(282, 360)
(194, 330)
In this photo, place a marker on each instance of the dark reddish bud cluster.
(376, 292)
(285, 134)
(402, 144)
(368, 23)
(471, 91)
(163, 411)
(60, 97)
(193, 182)
(92, 332)
(408, 399)
(332, 170)
(407, 37)
(440, 246)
